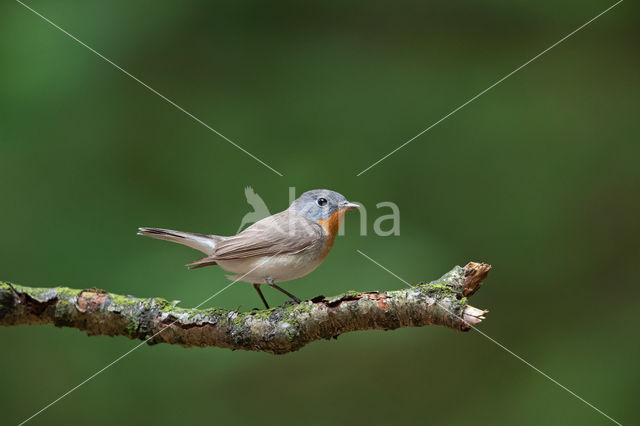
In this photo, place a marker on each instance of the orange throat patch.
(331, 227)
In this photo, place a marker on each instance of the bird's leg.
(257, 287)
(269, 281)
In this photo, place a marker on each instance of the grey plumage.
(204, 243)
(281, 233)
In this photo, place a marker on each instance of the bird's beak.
(346, 205)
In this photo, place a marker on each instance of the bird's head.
(322, 206)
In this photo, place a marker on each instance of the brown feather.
(278, 234)
(201, 263)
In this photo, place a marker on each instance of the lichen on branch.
(277, 330)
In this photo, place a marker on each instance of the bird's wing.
(280, 233)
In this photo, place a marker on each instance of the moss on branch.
(277, 330)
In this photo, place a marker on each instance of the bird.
(260, 209)
(278, 248)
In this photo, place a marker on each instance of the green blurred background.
(539, 177)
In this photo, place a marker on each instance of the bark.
(277, 330)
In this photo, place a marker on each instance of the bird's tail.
(204, 243)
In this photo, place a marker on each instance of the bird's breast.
(331, 226)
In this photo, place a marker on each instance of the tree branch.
(276, 330)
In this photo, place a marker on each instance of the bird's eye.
(322, 201)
